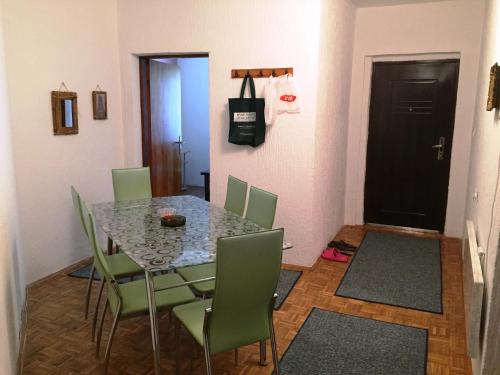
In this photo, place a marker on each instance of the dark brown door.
(412, 111)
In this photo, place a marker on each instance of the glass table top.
(136, 228)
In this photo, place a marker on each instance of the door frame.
(364, 115)
(145, 97)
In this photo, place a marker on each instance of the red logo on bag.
(288, 98)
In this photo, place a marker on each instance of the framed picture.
(100, 105)
(64, 112)
(494, 89)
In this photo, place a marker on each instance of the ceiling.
(378, 3)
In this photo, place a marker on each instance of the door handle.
(440, 148)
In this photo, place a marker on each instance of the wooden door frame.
(364, 115)
(145, 97)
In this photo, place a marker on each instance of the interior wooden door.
(161, 124)
(412, 112)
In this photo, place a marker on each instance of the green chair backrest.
(236, 195)
(261, 207)
(78, 206)
(131, 183)
(248, 270)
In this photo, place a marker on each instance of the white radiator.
(473, 290)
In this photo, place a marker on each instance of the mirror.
(64, 112)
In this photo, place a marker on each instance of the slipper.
(342, 246)
(334, 255)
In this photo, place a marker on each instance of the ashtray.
(173, 221)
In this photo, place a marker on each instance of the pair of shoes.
(344, 247)
(334, 255)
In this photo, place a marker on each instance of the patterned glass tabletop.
(135, 226)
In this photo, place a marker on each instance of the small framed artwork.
(494, 89)
(100, 105)
(64, 112)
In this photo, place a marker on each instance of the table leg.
(110, 246)
(153, 320)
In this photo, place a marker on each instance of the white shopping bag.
(287, 97)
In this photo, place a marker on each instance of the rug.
(334, 343)
(395, 269)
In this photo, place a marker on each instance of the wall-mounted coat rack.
(261, 73)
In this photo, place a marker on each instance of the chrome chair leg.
(263, 353)
(110, 341)
(274, 348)
(99, 333)
(208, 361)
(96, 309)
(89, 290)
(177, 344)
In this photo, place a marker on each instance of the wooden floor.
(58, 338)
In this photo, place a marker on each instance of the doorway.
(411, 119)
(175, 122)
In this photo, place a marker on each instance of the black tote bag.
(246, 118)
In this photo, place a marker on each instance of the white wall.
(413, 30)
(48, 42)
(267, 34)
(483, 179)
(11, 264)
(195, 117)
(337, 36)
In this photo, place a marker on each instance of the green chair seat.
(134, 294)
(202, 271)
(121, 265)
(191, 316)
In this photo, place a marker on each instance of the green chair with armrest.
(130, 299)
(241, 311)
(131, 183)
(120, 264)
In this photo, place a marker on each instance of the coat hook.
(273, 73)
(260, 73)
(248, 72)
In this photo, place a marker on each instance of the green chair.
(119, 264)
(261, 207)
(130, 299)
(131, 183)
(241, 311)
(236, 195)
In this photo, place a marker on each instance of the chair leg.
(208, 360)
(274, 348)
(99, 333)
(89, 290)
(110, 341)
(263, 353)
(96, 309)
(177, 344)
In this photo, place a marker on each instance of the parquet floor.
(58, 338)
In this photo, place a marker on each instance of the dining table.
(135, 228)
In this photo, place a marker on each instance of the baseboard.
(22, 334)
(64, 270)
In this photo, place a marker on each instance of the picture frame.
(64, 112)
(494, 88)
(100, 105)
